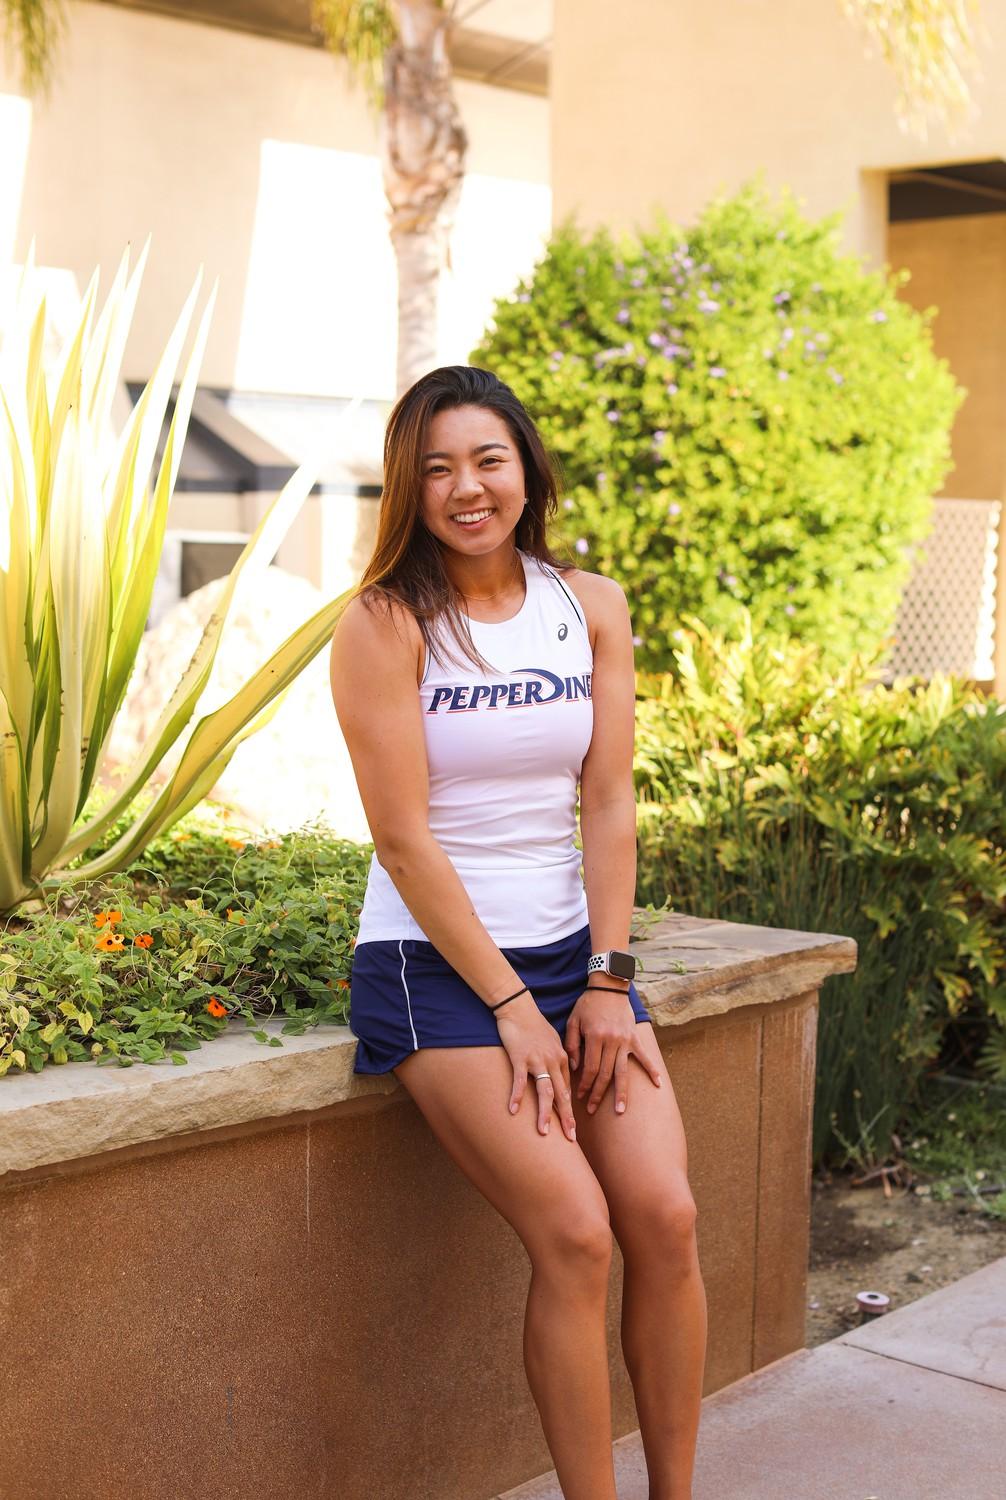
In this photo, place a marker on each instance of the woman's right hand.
(533, 1046)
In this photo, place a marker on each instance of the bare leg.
(640, 1160)
(544, 1187)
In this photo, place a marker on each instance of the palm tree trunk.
(423, 149)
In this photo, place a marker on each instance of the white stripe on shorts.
(405, 987)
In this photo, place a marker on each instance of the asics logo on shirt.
(543, 688)
(563, 632)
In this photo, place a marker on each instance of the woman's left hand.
(606, 1025)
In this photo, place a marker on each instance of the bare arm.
(601, 1019)
(373, 671)
(374, 665)
(607, 796)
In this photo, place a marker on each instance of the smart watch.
(614, 962)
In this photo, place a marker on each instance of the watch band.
(614, 962)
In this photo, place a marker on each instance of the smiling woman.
(482, 686)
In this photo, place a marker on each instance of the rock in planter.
(297, 766)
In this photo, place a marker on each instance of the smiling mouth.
(472, 517)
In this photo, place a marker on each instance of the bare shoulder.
(602, 599)
(374, 630)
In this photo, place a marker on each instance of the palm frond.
(930, 45)
(32, 29)
(361, 31)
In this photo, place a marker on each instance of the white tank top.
(505, 751)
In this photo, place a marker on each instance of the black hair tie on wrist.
(509, 998)
(608, 988)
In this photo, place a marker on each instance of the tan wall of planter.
(319, 1302)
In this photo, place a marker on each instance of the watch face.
(621, 965)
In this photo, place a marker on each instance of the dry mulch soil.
(904, 1245)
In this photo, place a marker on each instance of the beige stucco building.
(223, 130)
(664, 104)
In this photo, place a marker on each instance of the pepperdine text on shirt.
(477, 695)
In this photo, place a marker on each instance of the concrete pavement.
(911, 1406)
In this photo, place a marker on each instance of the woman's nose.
(467, 483)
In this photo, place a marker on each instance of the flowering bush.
(744, 417)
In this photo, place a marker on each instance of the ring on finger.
(541, 1075)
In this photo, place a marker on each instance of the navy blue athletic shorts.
(404, 994)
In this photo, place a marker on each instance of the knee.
(665, 1225)
(578, 1244)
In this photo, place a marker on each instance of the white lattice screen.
(946, 619)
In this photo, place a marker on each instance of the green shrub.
(744, 417)
(773, 792)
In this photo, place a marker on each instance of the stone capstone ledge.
(689, 968)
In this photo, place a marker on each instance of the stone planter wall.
(259, 1275)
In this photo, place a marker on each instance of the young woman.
(480, 683)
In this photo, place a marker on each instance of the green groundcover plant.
(211, 925)
(745, 418)
(773, 790)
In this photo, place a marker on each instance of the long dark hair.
(407, 563)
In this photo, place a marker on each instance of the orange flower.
(235, 843)
(178, 837)
(110, 943)
(215, 1008)
(104, 917)
(344, 984)
(233, 916)
(144, 940)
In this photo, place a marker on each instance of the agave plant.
(81, 532)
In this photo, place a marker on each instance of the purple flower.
(674, 509)
(613, 416)
(670, 350)
(785, 336)
(601, 477)
(622, 315)
(708, 305)
(790, 609)
(716, 371)
(637, 280)
(780, 297)
(672, 389)
(524, 297)
(783, 374)
(567, 505)
(659, 435)
(637, 640)
(656, 339)
(582, 545)
(729, 579)
(879, 316)
(836, 377)
(665, 302)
